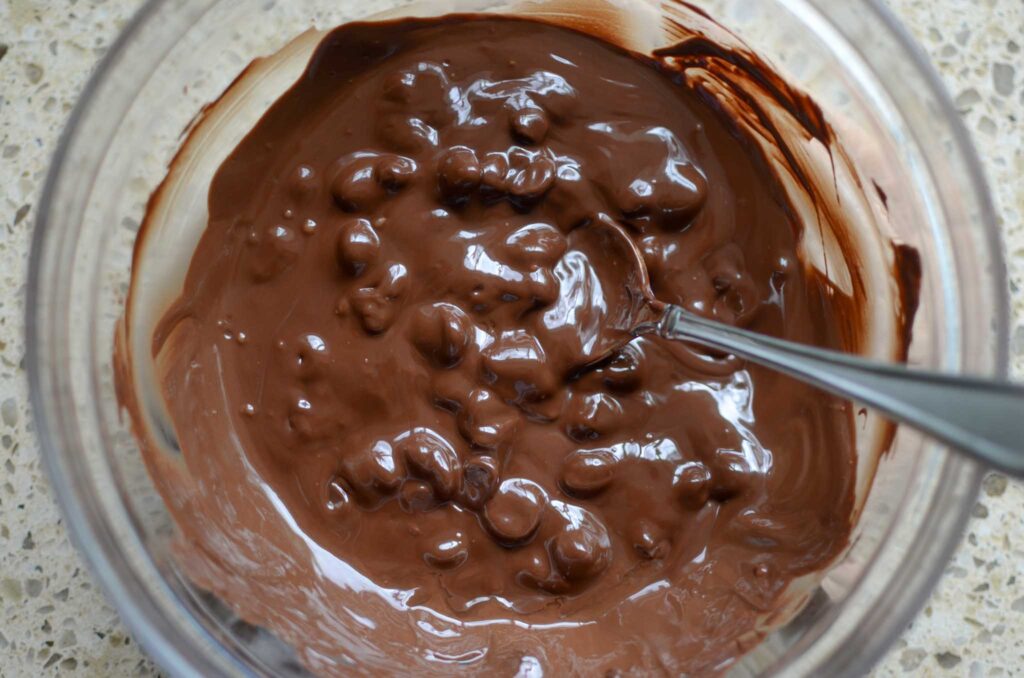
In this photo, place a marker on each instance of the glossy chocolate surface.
(388, 324)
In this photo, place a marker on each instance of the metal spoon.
(979, 417)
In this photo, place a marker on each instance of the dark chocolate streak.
(386, 318)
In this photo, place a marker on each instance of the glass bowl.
(177, 55)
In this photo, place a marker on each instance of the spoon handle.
(980, 417)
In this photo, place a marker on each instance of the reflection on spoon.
(982, 418)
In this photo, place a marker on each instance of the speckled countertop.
(53, 619)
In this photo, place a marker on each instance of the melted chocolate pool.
(387, 320)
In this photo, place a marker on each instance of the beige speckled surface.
(54, 620)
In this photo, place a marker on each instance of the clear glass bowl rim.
(159, 636)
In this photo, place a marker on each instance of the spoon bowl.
(630, 306)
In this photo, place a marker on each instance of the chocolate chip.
(301, 183)
(485, 421)
(479, 481)
(442, 333)
(582, 549)
(458, 174)
(536, 243)
(430, 457)
(513, 513)
(358, 245)
(533, 180)
(649, 540)
(377, 306)
(417, 496)
(587, 472)
(395, 172)
(692, 485)
(446, 550)
(625, 372)
(518, 369)
(373, 472)
(591, 416)
(529, 125)
(355, 187)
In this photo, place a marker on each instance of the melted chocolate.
(387, 323)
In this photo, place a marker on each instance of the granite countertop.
(55, 620)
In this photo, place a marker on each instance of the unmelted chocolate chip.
(582, 549)
(432, 458)
(395, 172)
(494, 174)
(587, 472)
(736, 296)
(513, 513)
(518, 367)
(520, 175)
(653, 184)
(480, 476)
(560, 100)
(591, 416)
(506, 289)
(355, 187)
(732, 475)
(670, 200)
(537, 243)
(446, 550)
(649, 540)
(358, 245)
(625, 372)
(485, 421)
(399, 86)
(691, 484)
(451, 389)
(442, 332)
(406, 133)
(532, 179)
(529, 124)
(377, 306)
(535, 571)
(302, 183)
(374, 472)
(365, 179)
(458, 174)
(417, 496)
(395, 280)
